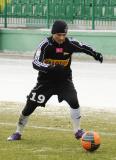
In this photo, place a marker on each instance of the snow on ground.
(95, 83)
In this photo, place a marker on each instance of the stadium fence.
(80, 14)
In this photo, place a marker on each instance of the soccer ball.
(90, 141)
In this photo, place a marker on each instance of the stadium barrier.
(26, 41)
(87, 14)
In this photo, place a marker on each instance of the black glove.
(98, 57)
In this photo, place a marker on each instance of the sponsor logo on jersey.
(59, 50)
(55, 62)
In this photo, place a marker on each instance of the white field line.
(55, 128)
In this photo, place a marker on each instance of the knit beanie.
(59, 26)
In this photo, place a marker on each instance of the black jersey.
(49, 52)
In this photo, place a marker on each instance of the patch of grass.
(46, 144)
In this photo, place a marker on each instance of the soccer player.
(53, 59)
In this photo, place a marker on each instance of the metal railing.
(88, 14)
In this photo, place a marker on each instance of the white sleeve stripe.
(42, 43)
(39, 64)
(44, 52)
(75, 45)
(39, 48)
(81, 48)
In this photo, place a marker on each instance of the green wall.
(22, 40)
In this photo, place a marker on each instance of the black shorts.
(42, 92)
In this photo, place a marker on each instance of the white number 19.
(40, 98)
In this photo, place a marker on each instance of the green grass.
(50, 144)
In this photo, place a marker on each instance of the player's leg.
(75, 115)
(38, 97)
(23, 119)
(69, 94)
(24, 116)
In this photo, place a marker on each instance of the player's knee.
(74, 106)
(73, 102)
(24, 113)
(29, 108)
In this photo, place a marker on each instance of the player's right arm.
(38, 61)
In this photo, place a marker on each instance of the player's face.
(59, 37)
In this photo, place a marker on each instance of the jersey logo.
(66, 53)
(59, 50)
(56, 61)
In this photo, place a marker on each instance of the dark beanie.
(59, 26)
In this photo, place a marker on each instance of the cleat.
(14, 137)
(79, 133)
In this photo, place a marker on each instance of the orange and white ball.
(90, 141)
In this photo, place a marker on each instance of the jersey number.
(40, 98)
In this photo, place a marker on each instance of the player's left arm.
(88, 50)
(80, 47)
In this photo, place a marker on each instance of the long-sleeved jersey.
(49, 52)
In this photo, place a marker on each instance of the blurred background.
(24, 23)
(80, 14)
